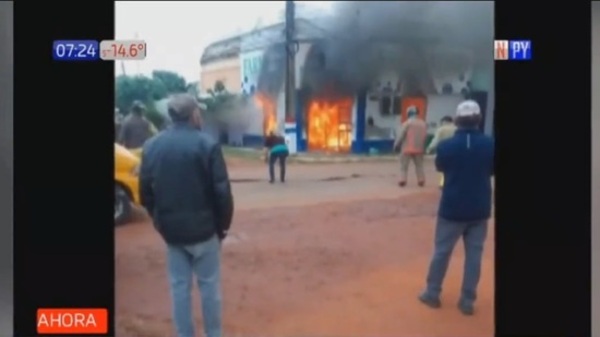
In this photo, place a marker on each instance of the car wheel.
(122, 206)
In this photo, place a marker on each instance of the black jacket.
(134, 131)
(185, 187)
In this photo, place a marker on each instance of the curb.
(337, 159)
(349, 159)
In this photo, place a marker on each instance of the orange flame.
(329, 125)
(269, 110)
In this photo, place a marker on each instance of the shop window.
(397, 106)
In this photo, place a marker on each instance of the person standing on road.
(445, 131)
(185, 187)
(276, 150)
(467, 162)
(410, 140)
(135, 129)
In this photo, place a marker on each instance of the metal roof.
(257, 39)
(221, 49)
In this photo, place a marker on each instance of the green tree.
(219, 87)
(160, 85)
(172, 81)
(193, 89)
(131, 88)
(140, 88)
(221, 105)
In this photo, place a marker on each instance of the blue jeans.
(202, 259)
(447, 233)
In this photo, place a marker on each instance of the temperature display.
(111, 50)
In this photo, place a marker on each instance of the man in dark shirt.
(467, 162)
(276, 150)
(185, 187)
(135, 129)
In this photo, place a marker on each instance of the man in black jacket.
(185, 187)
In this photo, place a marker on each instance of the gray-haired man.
(184, 185)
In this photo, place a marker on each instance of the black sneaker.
(402, 183)
(433, 303)
(466, 308)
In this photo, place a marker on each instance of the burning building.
(353, 89)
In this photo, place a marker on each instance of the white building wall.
(301, 55)
(439, 106)
(250, 63)
(447, 68)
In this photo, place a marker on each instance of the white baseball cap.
(468, 108)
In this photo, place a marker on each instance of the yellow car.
(126, 183)
(137, 152)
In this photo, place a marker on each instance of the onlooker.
(411, 142)
(185, 187)
(445, 131)
(467, 162)
(135, 129)
(276, 150)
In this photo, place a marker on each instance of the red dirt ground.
(345, 257)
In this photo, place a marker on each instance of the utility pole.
(290, 61)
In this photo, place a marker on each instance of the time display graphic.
(122, 50)
(75, 50)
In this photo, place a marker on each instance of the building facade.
(220, 63)
(365, 121)
(226, 71)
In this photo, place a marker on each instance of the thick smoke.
(272, 71)
(364, 39)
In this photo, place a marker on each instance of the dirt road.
(342, 251)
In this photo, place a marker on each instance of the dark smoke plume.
(272, 71)
(365, 38)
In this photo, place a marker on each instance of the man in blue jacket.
(467, 162)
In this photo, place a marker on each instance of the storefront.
(365, 122)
